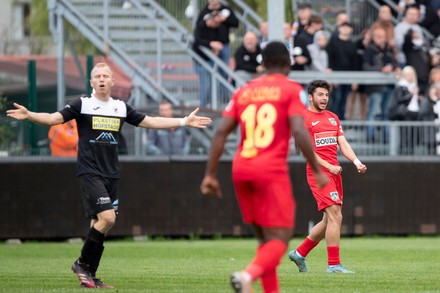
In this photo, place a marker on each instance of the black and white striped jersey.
(99, 125)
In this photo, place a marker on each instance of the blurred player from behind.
(326, 132)
(267, 109)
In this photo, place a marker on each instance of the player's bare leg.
(298, 256)
(333, 236)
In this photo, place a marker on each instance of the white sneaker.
(240, 283)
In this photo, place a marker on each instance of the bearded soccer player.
(100, 119)
(267, 110)
(326, 133)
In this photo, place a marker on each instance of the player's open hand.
(20, 113)
(197, 121)
(362, 168)
(211, 186)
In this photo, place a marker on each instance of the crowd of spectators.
(412, 43)
(384, 46)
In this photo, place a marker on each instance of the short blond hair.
(102, 65)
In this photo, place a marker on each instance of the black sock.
(94, 264)
(92, 248)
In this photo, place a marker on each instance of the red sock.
(333, 255)
(307, 246)
(269, 282)
(267, 259)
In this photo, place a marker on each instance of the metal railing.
(367, 138)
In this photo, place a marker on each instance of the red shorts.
(330, 194)
(266, 203)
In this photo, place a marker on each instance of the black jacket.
(203, 35)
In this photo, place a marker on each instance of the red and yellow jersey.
(262, 109)
(324, 129)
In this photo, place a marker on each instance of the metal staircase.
(147, 43)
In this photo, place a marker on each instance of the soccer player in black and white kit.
(100, 119)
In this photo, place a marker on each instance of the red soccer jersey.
(324, 129)
(262, 108)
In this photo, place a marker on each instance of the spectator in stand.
(212, 32)
(63, 139)
(247, 59)
(378, 57)
(358, 90)
(405, 106)
(342, 57)
(172, 141)
(409, 21)
(288, 40)
(303, 17)
(300, 54)
(430, 111)
(432, 21)
(263, 36)
(341, 18)
(434, 52)
(434, 75)
(318, 53)
(417, 55)
(384, 20)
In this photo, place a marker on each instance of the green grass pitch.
(382, 264)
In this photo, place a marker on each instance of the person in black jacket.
(378, 57)
(298, 49)
(416, 52)
(247, 59)
(212, 32)
(342, 56)
(405, 106)
(430, 111)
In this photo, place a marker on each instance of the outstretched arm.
(22, 113)
(165, 123)
(210, 184)
(348, 152)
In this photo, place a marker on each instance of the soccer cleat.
(99, 284)
(84, 275)
(240, 284)
(338, 269)
(299, 261)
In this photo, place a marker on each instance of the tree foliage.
(39, 27)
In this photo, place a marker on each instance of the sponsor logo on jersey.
(332, 121)
(315, 123)
(105, 123)
(334, 195)
(326, 138)
(96, 108)
(105, 137)
(103, 200)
